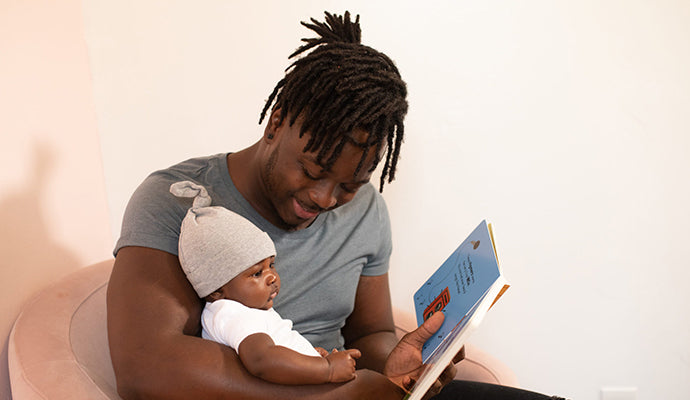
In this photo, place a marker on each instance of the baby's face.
(255, 287)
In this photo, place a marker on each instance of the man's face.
(298, 187)
(255, 287)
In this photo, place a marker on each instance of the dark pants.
(466, 390)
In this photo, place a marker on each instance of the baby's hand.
(341, 365)
(323, 352)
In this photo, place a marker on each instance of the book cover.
(464, 287)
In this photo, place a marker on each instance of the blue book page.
(447, 341)
(457, 286)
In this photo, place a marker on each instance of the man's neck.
(245, 172)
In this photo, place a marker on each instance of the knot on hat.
(215, 243)
(190, 189)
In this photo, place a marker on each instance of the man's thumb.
(420, 335)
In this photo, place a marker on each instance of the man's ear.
(273, 125)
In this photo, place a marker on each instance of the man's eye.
(350, 188)
(309, 175)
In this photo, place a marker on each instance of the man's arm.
(370, 328)
(153, 320)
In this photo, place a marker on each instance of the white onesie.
(230, 322)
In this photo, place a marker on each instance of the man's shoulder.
(153, 215)
(206, 170)
(192, 167)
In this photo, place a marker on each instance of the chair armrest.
(58, 345)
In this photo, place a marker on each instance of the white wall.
(53, 210)
(564, 123)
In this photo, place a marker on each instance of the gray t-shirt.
(319, 266)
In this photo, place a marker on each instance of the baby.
(229, 262)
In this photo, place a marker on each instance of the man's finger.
(433, 390)
(408, 382)
(460, 356)
(420, 335)
(447, 375)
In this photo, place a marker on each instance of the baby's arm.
(268, 361)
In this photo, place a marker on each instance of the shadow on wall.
(30, 258)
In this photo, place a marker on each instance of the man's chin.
(293, 223)
(294, 219)
(299, 225)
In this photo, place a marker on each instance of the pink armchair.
(58, 348)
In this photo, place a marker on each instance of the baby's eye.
(257, 273)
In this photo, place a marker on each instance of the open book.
(464, 287)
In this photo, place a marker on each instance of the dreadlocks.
(341, 86)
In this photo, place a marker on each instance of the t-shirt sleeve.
(153, 216)
(229, 322)
(378, 262)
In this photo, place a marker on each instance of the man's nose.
(324, 195)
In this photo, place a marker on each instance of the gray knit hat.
(215, 243)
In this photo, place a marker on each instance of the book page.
(464, 288)
(458, 284)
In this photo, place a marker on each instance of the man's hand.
(404, 364)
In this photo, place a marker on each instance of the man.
(337, 113)
(334, 117)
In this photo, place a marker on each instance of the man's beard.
(269, 173)
(271, 183)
